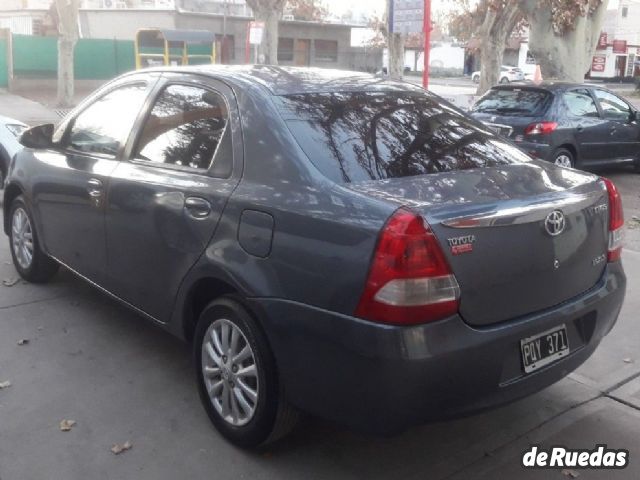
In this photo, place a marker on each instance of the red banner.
(602, 41)
(619, 46)
(598, 63)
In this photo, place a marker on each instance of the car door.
(624, 130)
(590, 130)
(73, 178)
(165, 201)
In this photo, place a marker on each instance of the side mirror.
(633, 116)
(38, 137)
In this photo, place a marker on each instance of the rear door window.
(363, 136)
(514, 101)
(185, 128)
(580, 103)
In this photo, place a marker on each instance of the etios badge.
(554, 223)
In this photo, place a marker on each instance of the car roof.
(295, 80)
(547, 85)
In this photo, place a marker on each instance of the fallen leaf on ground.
(570, 473)
(628, 360)
(23, 341)
(633, 223)
(65, 425)
(10, 282)
(118, 449)
(5, 384)
(40, 328)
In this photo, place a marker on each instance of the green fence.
(4, 68)
(94, 59)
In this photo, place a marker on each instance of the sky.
(376, 7)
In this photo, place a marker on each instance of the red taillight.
(616, 221)
(540, 128)
(409, 280)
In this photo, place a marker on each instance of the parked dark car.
(10, 130)
(571, 125)
(329, 242)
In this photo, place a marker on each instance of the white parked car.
(10, 131)
(507, 74)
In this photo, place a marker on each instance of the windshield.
(513, 101)
(378, 135)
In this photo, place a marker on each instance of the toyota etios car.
(329, 242)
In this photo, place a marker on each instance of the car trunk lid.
(493, 226)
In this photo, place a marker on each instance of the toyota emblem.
(554, 223)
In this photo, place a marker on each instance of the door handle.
(94, 187)
(197, 207)
(579, 128)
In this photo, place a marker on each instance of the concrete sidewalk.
(25, 110)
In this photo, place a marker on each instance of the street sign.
(408, 16)
(256, 30)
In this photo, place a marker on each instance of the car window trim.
(67, 148)
(160, 87)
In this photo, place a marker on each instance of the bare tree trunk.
(268, 49)
(494, 32)
(269, 12)
(68, 33)
(395, 48)
(567, 56)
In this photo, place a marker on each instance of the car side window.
(580, 103)
(613, 107)
(184, 128)
(104, 126)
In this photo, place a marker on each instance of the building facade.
(618, 52)
(300, 43)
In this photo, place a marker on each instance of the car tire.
(256, 411)
(29, 259)
(476, 79)
(504, 80)
(563, 158)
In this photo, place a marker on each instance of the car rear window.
(513, 101)
(359, 136)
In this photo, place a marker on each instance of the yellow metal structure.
(154, 47)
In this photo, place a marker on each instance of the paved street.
(121, 379)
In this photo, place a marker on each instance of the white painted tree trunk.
(568, 56)
(268, 49)
(66, 83)
(395, 47)
(269, 12)
(68, 33)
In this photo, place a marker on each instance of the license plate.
(544, 348)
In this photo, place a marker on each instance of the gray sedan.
(328, 242)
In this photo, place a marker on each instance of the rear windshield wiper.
(512, 110)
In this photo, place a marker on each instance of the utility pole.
(427, 43)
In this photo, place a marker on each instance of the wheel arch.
(199, 294)
(572, 149)
(11, 192)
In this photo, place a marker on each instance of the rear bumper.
(538, 150)
(384, 379)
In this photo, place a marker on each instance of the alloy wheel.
(230, 372)
(22, 238)
(563, 160)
